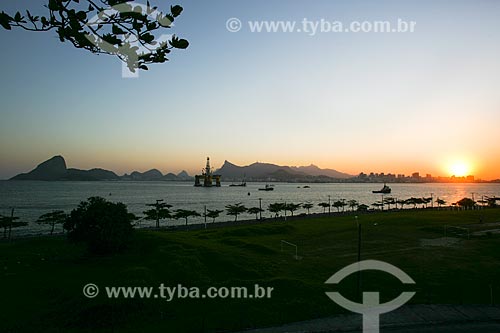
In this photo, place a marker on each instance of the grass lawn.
(42, 278)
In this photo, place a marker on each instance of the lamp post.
(260, 208)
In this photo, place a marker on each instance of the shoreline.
(251, 222)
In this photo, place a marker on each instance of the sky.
(422, 101)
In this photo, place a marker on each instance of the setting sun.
(459, 169)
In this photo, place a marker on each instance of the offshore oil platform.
(206, 178)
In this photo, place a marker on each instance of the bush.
(104, 226)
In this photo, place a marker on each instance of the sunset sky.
(426, 101)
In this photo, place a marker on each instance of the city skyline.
(416, 176)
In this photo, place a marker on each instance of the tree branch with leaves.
(122, 28)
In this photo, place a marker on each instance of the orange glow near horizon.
(460, 169)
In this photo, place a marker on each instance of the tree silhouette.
(307, 206)
(352, 204)
(113, 27)
(9, 222)
(256, 211)
(291, 207)
(389, 201)
(324, 205)
(426, 201)
(185, 214)
(362, 208)
(160, 211)
(440, 202)
(276, 208)
(213, 214)
(338, 204)
(413, 201)
(466, 203)
(53, 218)
(401, 202)
(235, 210)
(105, 227)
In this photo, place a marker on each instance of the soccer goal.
(455, 231)
(285, 244)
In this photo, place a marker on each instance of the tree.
(53, 218)
(291, 207)
(492, 202)
(276, 208)
(185, 214)
(338, 204)
(389, 201)
(105, 227)
(307, 206)
(426, 201)
(352, 204)
(160, 211)
(412, 201)
(401, 202)
(113, 27)
(440, 202)
(378, 205)
(213, 214)
(9, 222)
(324, 205)
(466, 203)
(235, 210)
(256, 211)
(362, 208)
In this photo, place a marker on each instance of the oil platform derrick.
(206, 179)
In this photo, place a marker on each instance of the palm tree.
(466, 203)
(324, 205)
(291, 207)
(389, 201)
(256, 211)
(362, 208)
(160, 211)
(343, 204)
(426, 201)
(352, 204)
(421, 201)
(307, 206)
(338, 204)
(213, 214)
(9, 222)
(440, 202)
(412, 201)
(185, 214)
(235, 210)
(378, 204)
(53, 218)
(276, 208)
(401, 202)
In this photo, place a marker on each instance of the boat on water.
(242, 184)
(267, 188)
(385, 190)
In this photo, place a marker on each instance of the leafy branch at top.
(115, 27)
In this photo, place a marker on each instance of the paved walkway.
(410, 318)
